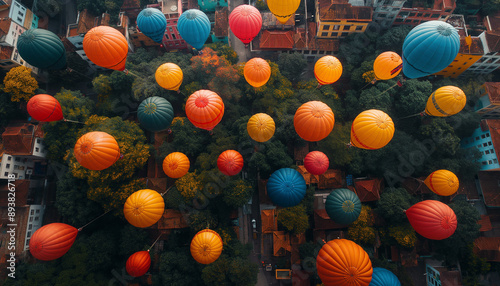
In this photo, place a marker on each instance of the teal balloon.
(384, 277)
(42, 48)
(343, 206)
(152, 23)
(194, 27)
(286, 187)
(155, 113)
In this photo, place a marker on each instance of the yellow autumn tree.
(188, 185)
(102, 85)
(362, 230)
(294, 219)
(404, 235)
(237, 193)
(20, 84)
(114, 197)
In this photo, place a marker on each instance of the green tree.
(69, 78)
(178, 268)
(243, 272)
(224, 51)
(447, 143)
(9, 110)
(294, 219)
(271, 158)
(188, 186)
(132, 239)
(412, 97)
(404, 235)
(237, 193)
(335, 145)
(393, 39)
(199, 220)
(392, 204)
(20, 84)
(102, 85)
(362, 230)
(292, 65)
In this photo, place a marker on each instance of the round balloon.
(45, 108)
(343, 206)
(42, 48)
(204, 109)
(206, 246)
(97, 150)
(230, 162)
(442, 182)
(313, 121)
(169, 76)
(384, 277)
(138, 263)
(176, 165)
(341, 262)
(155, 113)
(194, 27)
(316, 162)
(429, 48)
(432, 219)
(387, 65)
(152, 23)
(283, 9)
(261, 127)
(144, 208)
(327, 70)
(106, 47)
(257, 72)
(286, 187)
(245, 22)
(52, 241)
(372, 129)
(446, 101)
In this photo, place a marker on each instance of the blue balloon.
(286, 187)
(194, 27)
(429, 48)
(384, 277)
(152, 23)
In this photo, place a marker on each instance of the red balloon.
(230, 162)
(52, 241)
(316, 162)
(44, 107)
(245, 22)
(432, 219)
(138, 263)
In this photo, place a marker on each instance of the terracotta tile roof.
(269, 21)
(172, 219)
(492, 22)
(299, 39)
(22, 191)
(493, 91)
(263, 197)
(86, 21)
(323, 221)
(485, 223)
(300, 152)
(308, 177)
(157, 184)
(344, 11)
(18, 138)
(281, 243)
(469, 189)
(493, 41)
(276, 40)
(476, 47)
(416, 186)
(221, 23)
(488, 248)
(131, 4)
(5, 26)
(331, 179)
(368, 190)
(488, 181)
(269, 221)
(6, 52)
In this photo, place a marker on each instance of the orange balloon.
(341, 262)
(204, 109)
(176, 165)
(442, 182)
(261, 127)
(230, 162)
(206, 246)
(52, 241)
(106, 47)
(372, 129)
(257, 72)
(144, 208)
(387, 65)
(97, 150)
(327, 70)
(313, 121)
(138, 263)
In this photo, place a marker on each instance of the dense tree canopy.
(20, 84)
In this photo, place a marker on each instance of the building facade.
(416, 12)
(486, 139)
(338, 19)
(386, 11)
(488, 105)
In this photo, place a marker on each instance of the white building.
(34, 222)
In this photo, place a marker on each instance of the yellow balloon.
(283, 9)
(169, 76)
(445, 101)
(372, 129)
(442, 182)
(144, 208)
(261, 127)
(327, 70)
(387, 65)
(206, 246)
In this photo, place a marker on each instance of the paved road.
(242, 51)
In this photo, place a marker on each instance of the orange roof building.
(368, 190)
(417, 11)
(488, 105)
(23, 139)
(331, 179)
(488, 181)
(172, 219)
(281, 243)
(338, 18)
(276, 40)
(221, 30)
(488, 248)
(486, 139)
(269, 221)
(485, 223)
(323, 222)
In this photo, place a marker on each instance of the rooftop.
(488, 181)
(281, 243)
(492, 22)
(485, 223)
(368, 190)
(331, 179)
(476, 47)
(493, 41)
(172, 219)
(221, 22)
(22, 190)
(18, 138)
(335, 10)
(323, 221)
(488, 248)
(493, 91)
(276, 40)
(269, 221)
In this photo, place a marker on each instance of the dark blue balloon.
(384, 277)
(429, 48)
(286, 187)
(152, 23)
(194, 27)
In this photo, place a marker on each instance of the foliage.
(132, 239)
(224, 51)
(270, 157)
(404, 234)
(294, 219)
(178, 268)
(237, 193)
(292, 65)
(9, 110)
(227, 271)
(335, 145)
(113, 197)
(392, 204)
(72, 76)
(223, 83)
(361, 230)
(102, 85)
(443, 135)
(392, 39)
(412, 97)
(261, 5)
(199, 220)
(188, 185)
(20, 84)
(207, 64)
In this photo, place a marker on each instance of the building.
(471, 49)
(368, 190)
(339, 18)
(438, 275)
(488, 248)
(488, 105)
(131, 8)
(486, 139)
(221, 27)
(211, 5)
(490, 40)
(489, 187)
(385, 12)
(22, 15)
(415, 12)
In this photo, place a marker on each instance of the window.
(31, 219)
(487, 152)
(495, 161)
(30, 226)
(336, 27)
(19, 19)
(359, 28)
(324, 34)
(485, 144)
(347, 28)
(333, 34)
(492, 151)
(18, 159)
(435, 16)
(489, 143)
(326, 27)
(490, 162)
(484, 163)
(37, 211)
(483, 136)
(38, 140)
(28, 234)
(32, 212)
(344, 34)
(7, 166)
(36, 218)
(412, 14)
(9, 158)
(487, 134)
(6, 174)
(399, 20)
(37, 149)
(426, 15)
(28, 241)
